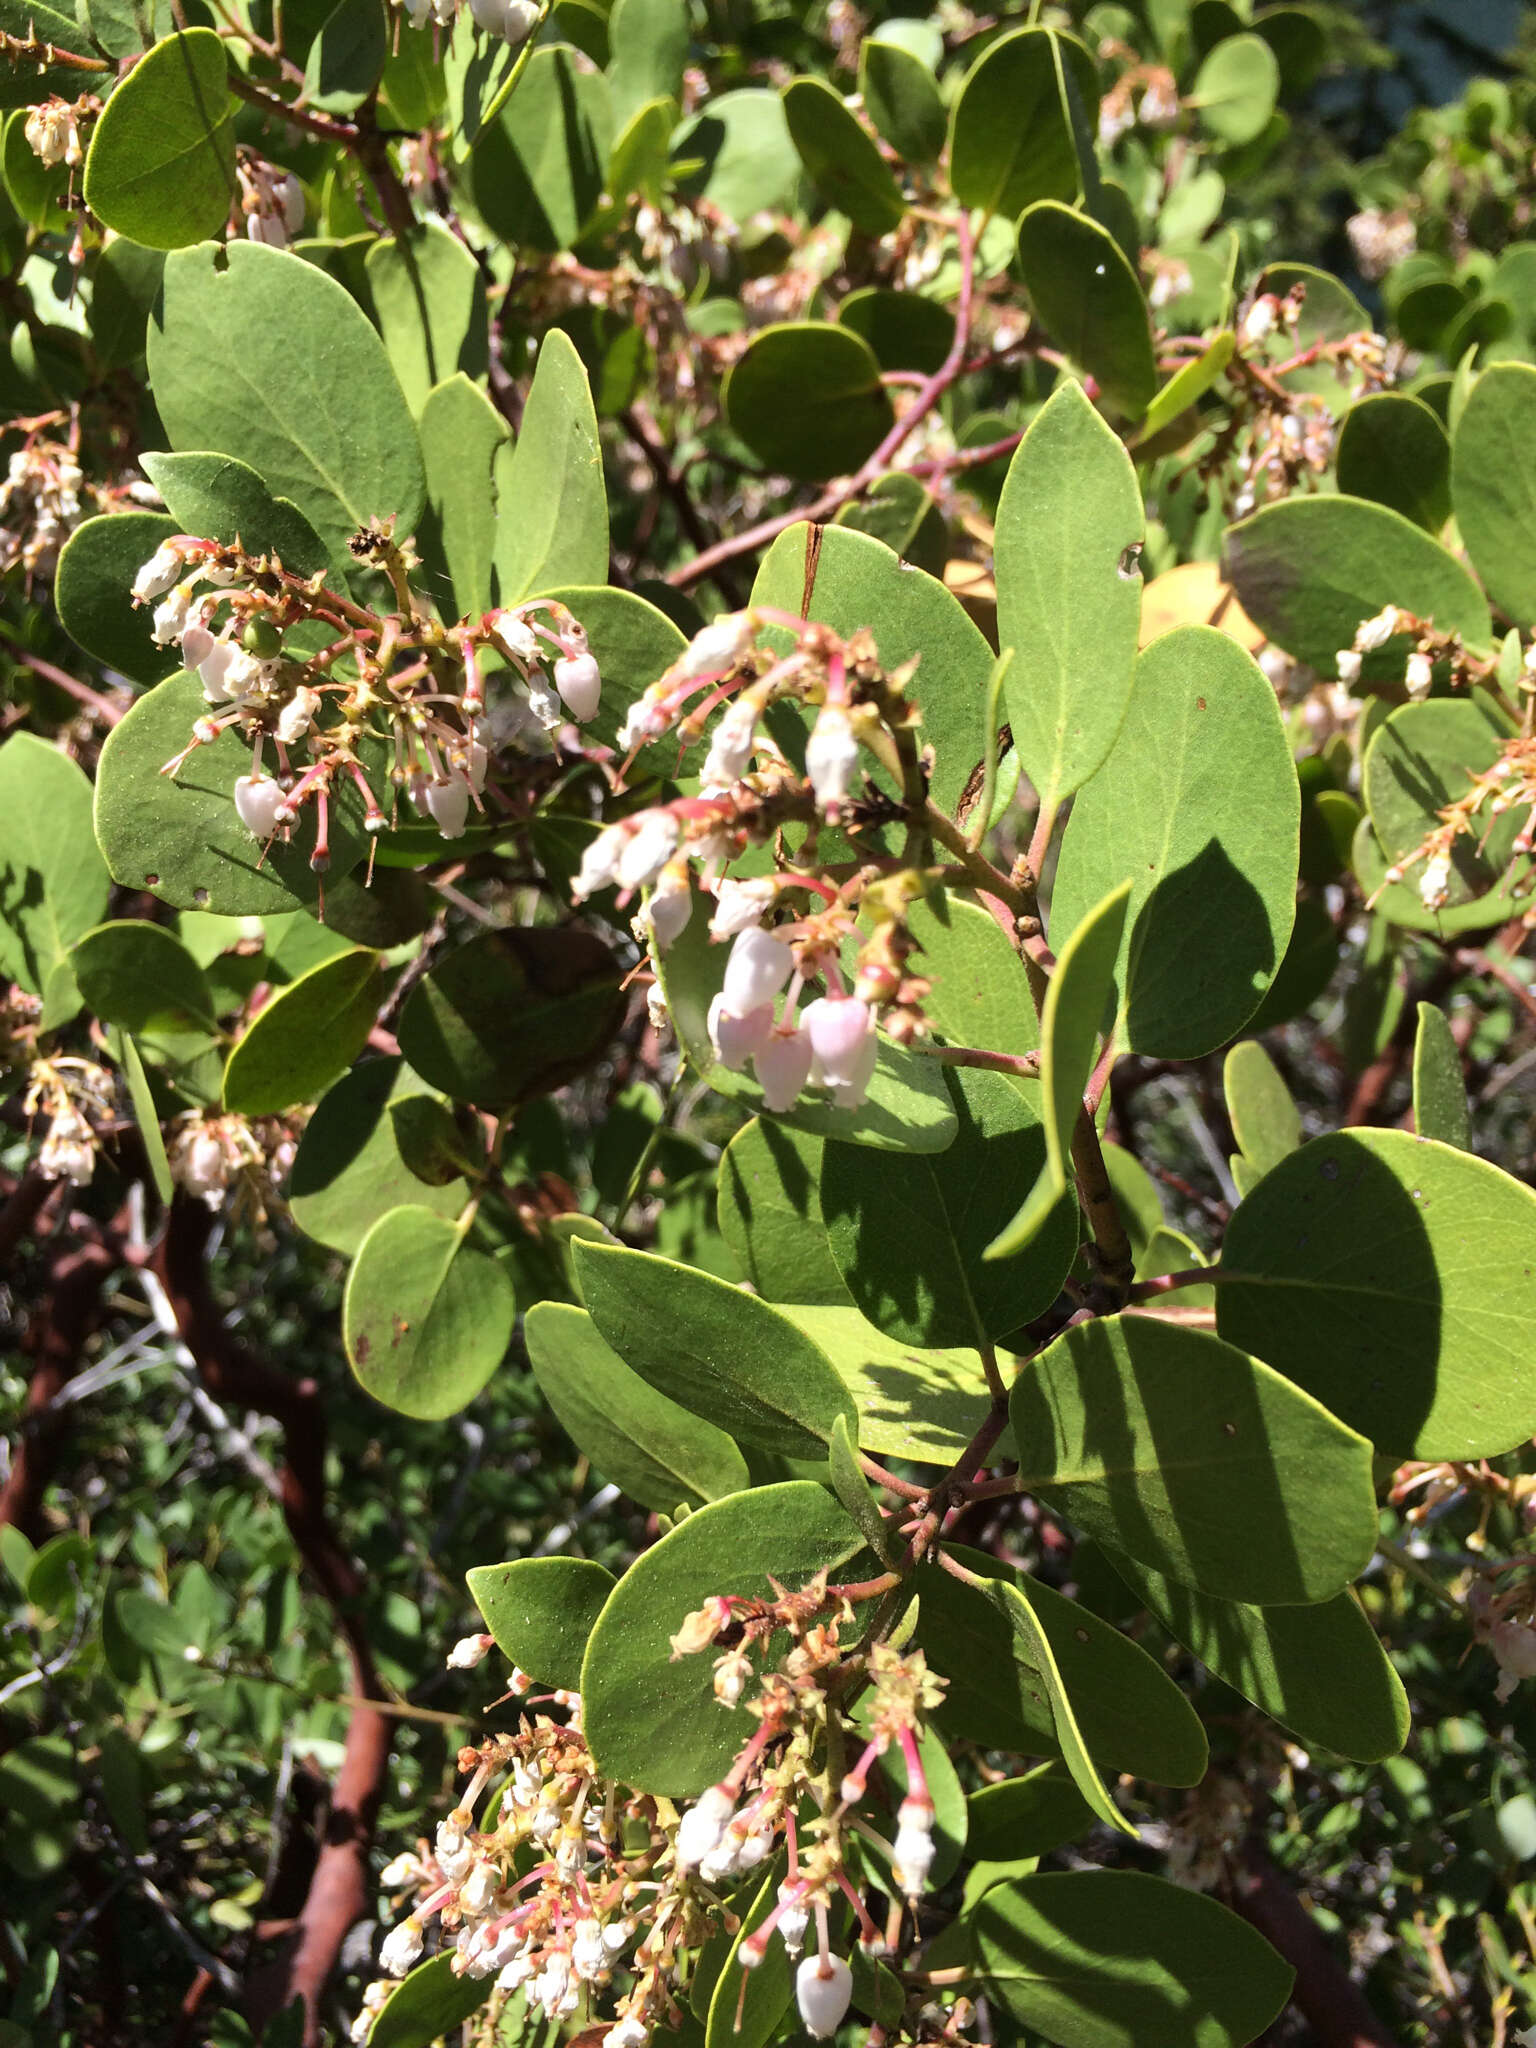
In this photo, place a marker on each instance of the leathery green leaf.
(139, 975)
(844, 162)
(1091, 301)
(1318, 1671)
(1493, 484)
(1069, 531)
(426, 1319)
(1075, 1004)
(552, 526)
(541, 1611)
(1116, 1959)
(1129, 1714)
(306, 1036)
(53, 883)
(980, 994)
(1265, 1120)
(770, 1214)
(655, 1723)
(1196, 1459)
(912, 1403)
(718, 1352)
(161, 164)
(1011, 139)
(806, 398)
(954, 1203)
(255, 353)
(1198, 807)
(638, 1438)
(1391, 1277)
(1439, 1089)
(348, 1171)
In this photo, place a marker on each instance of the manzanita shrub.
(662, 663)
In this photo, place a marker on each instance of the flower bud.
(794, 1920)
(468, 1651)
(823, 1989)
(1419, 676)
(646, 849)
(405, 1869)
(1435, 881)
(831, 756)
(1347, 662)
(703, 1826)
(156, 576)
(1375, 633)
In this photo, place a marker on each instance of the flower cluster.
(512, 20)
(75, 1095)
(211, 1155)
(557, 1881)
(52, 129)
(414, 687)
(271, 201)
(1507, 784)
(1284, 436)
(41, 503)
(750, 793)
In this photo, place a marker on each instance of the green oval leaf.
(1194, 1458)
(1128, 1713)
(858, 583)
(912, 1403)
(306, 1036)
(554, 526)
(1011, 136)
(1198, 807)
(1393, 450)
(656, 1724)
(1493, 484)
(1265, 1121)
(430, 2002)
(980, 994)
(1113, 1959)
(512, 1014)
(901, 97)
(844, 162)
(257, 354)
(140, 976)
(1310, 571)
(718, 1352)
(806, 398)
(224, 499)
(1075, 1005)
(770, 1214)
(1439, 1089)
(737, 153)
(1235, 89)
(53, 884)
(638, 1438)
(1090, 299)
(954, 1204)
(1390, 1276)
(1069, 532)
(92, 591)
(346, 59)
(161, 165)
(1422, 759)
(1318, 1671)
(1026, 1816)
(426, 1319)
(541, 1611)
(349, 1170)
(537, 173)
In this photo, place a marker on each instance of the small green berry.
(262, 639)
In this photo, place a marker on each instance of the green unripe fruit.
(262, 639)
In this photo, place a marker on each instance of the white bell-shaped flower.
(156, 576)
(580, 685)
(402, 1947)
(758, 968)
(448, 805)
(738, 1039)
(823, 1989)
(258, 800)
(783, 1066)
(647, 849)
(831, 756)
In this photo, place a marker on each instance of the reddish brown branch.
(338, 1891)
(68, 1309)
(1324, 1993)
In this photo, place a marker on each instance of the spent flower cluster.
(398, 697)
